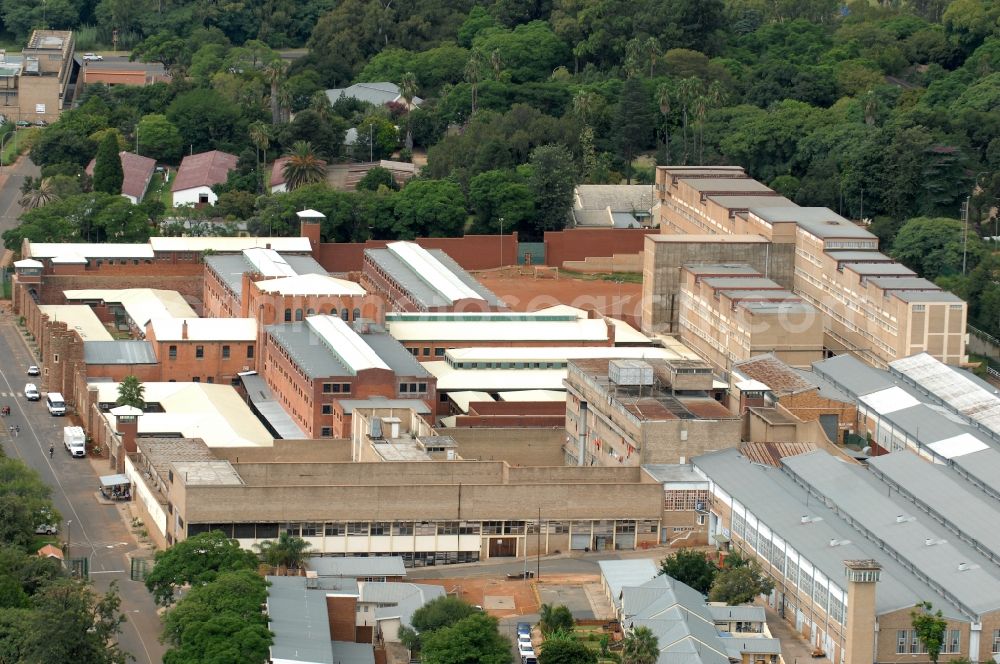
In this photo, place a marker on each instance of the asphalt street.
(95, 531)
(11, 179)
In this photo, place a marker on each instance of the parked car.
(31, 392)
(22, 123)
(46, 529)
(93, 57)
(41, 123)
(33, 370)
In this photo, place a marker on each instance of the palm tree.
(36, 194)
(286, 551)
(663, 99)
(652, 46)
(408, 90)
(496, 63)
(131, 393)
(700, 109)
(583, 105)
(275, 72)
(261, 139)
(473, 74)
(303, 166)
(320, 104)
(688, 90)
(640, 647)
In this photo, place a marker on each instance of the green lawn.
(160, 189)
(19, 144)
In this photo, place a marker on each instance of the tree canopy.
(690, 566)
(473, 639)
(195, 561)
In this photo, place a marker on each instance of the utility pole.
(538, 547)
(501, 243)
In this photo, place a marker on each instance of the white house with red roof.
(138, 172)
(197, 174)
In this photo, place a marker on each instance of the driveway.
(97, 531)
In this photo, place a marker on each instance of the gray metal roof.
(819, 221)
(357, 566)
(276, 418)
(858, 495)
(744, 613)
(312, 355)
(740, 282)
(745, 202)
(904, 283)
(300, 622)
(853, 256)
(774, 498)
(927, 296)
(946, 496)
(618, 197)
(874, 269)
(982, 469)
(673, 472)
(826, 389)
(724, 185)
(618, 574)
(230, 267)
(398, 600)
(118, 352)
(722, 268)
(852, 375)
(417, 405)
(416, 285)
(378, 93)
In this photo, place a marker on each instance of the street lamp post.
(501, 243)
(69, 533)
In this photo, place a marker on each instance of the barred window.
(685, 500)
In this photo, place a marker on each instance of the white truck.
(75, 441)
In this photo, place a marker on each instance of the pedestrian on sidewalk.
(52, 450)
(17, 429)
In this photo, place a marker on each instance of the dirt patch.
(528, 293)
(524, 594)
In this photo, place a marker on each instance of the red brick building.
(311, 365)
(213, 350)
(411, 278)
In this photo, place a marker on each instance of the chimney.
(184, 329)
(127, 426)
(862, 577)
(309, 227)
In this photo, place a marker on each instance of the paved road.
(10, 189)
(97, 531)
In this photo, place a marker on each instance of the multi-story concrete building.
(872, 307)
(411, 278)
(729, 313)
(36, 86)
(897, 527)
(312, 364)
(632, 412)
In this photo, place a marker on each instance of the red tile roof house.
(138, 171)
(278, 183)
(197, 174)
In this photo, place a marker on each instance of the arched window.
(298, 314)
(357, 313)
(345, 314)
(288, 315)
(310, 312)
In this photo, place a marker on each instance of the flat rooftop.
(215, 413)
(747, 201)
(706, 239)
(878, 269)
(710, 185)
(140, 304)
(78, 317)
(741, 282)
(651, 402)
(204, 329)
(818, 221)
(510, 329)
(721, 269)
(778, 376)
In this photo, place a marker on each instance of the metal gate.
(580, 542)
(79, 567)
(503, 547)
(140, 568)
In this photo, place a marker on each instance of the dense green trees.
(197, 560)
(555, 618)
(692, 567)
(108, 174)
(564, 648)
(739, 581)
(474, 638)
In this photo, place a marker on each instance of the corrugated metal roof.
(975, 400)
(618, 574)
(268, 407)
(357, 566)
(429, 287)
(855, 492)
(118, 352)
(779, 503)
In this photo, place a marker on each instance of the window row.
(345, 314)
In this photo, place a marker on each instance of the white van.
(55, 403)
(31, 392)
